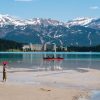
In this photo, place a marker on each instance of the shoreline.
(68, 78)
(79, 83)
(49, 52)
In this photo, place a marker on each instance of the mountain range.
(77, 32)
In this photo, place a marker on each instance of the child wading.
(4, 71)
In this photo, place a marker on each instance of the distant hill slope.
(77, 32)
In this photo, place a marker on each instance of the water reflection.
(53, 65)
(36, 61)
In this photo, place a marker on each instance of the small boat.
(53, 58)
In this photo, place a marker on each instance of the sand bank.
(19, 92)
(49, 85)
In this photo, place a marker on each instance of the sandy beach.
(49, 85)
(21, 92)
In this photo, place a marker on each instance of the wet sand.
(49, 85)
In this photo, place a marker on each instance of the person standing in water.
(4, 71)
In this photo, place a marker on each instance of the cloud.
(24, 0)
(94, 7)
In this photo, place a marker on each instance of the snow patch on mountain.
(89, 38)
(79, 21)
(46, 22)
(9, 20)
(85, 21)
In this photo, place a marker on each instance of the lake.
(34, 60)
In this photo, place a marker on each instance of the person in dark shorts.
(4, 71)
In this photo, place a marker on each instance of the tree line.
(6, 45)
(84, 49)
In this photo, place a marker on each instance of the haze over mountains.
(77, 32)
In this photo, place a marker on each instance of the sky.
(62, 10)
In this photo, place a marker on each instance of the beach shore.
(49, 85)
(22, 92)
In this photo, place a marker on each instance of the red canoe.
(53, 58)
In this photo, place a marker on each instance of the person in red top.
(4, 71)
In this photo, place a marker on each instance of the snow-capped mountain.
(40, 21)
(85, 21)
(78, 32)
(79, 21)
(9, 20)
(95, 24)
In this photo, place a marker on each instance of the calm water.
(35, 60)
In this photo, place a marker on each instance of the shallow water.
(95, 95)
(35, 60)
